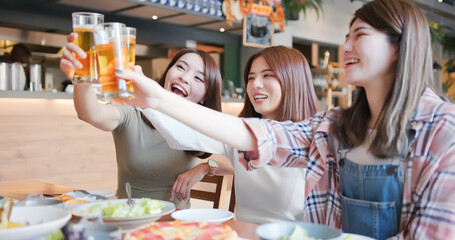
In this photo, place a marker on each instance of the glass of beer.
(83, 25)
(129, 33)
(112, 51)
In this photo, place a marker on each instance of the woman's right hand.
(69, 63)
(148, 92)
(185, 181)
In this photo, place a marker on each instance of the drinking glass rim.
(87, 14)
(100, 26)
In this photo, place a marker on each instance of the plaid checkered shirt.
(428, 210)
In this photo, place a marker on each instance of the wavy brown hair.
(407, 29)
(212, 76)
(299, 99)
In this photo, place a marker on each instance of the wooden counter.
(43, 139)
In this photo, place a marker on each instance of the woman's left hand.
(185, 181)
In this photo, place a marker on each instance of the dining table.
(20, 190)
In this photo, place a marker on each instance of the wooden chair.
(232, 200)
(207, 195)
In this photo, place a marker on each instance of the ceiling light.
(154, 17)
(222, 29)
(440, 0)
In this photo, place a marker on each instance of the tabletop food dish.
(39, 221)
(211, 215)
(276, 230)
(37, 199)
(118, 213)
(182, 230)
(73, 199)
(92, 230)
(79, 195)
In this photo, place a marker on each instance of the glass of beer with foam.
(83, 25)
(112, 50)
(129, 33)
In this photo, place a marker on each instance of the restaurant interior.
(42, 139)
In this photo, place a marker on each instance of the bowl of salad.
(30, 222)
(118, 213)
(296, 231)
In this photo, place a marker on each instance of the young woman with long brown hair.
(143, 157)
(279, 87)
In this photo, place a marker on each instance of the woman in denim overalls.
(390, 172)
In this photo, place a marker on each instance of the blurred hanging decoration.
(293, 7)
(258, 28)
(448, 46)
(227, 10)
(238, 9)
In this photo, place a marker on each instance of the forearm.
(222, 127)
(101, 116)
(180, 136)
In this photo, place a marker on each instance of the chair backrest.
(232, 200)
(207, 195)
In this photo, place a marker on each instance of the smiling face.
(186, 78)
(264, 89)
(369, 56)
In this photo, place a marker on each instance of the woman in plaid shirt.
(384, 167)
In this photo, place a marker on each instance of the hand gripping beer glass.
(112, 50)
(83, 25)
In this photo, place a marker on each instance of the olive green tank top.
(145, 160)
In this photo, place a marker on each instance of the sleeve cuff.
(266, 142)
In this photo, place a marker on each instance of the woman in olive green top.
(143, 157)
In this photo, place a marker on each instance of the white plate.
(351, 236)
(80, 195)
(125, 223)
(276, 230)
(211, 215)
(43, 220)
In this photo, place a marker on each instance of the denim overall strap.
(371, 195)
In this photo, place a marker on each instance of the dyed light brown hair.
(299, 100)
(212, 75)
(408, 30)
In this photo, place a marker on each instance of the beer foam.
(84, 26)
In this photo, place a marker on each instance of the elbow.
(83, 117)
(88, 119)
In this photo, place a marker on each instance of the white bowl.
(211, 215)
(42, 220)
(279, 229)
(125, 223)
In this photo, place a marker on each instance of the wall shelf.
(63, 95)
(42, 94)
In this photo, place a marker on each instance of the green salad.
(298, 233)
(121, 209)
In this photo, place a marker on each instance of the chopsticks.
(52, 194)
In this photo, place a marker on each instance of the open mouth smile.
(179, 90)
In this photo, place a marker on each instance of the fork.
(130, 202)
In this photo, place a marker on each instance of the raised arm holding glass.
(383, 167)
(143, 157)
